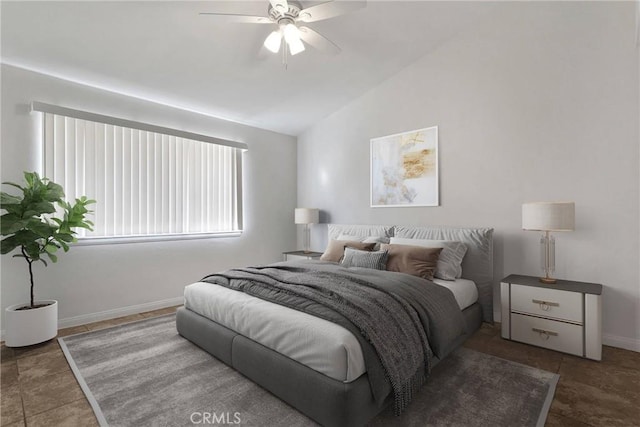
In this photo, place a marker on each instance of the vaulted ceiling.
(167, 52)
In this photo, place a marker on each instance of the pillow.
(450, 262)
(335, 249)
(414, 260)
(356, 258)
(366, 239)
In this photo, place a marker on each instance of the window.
(147, 180)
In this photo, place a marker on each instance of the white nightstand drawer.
(546, 333)
(543, 302)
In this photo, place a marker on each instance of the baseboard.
(112, 314)
(621, 342)
(118, 312)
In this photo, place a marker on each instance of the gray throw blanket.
(394, 316)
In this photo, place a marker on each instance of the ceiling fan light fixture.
(292, 37)
(291, 33)
(296, 46)
(273, 41)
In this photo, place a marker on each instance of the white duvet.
(317, 343)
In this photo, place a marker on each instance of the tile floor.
(38, 388)
(589, 393)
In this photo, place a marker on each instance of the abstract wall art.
(404, 169)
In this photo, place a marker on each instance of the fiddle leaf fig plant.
(39, 221)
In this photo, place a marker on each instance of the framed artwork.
(404, 169)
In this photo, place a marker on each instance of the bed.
(312, 364)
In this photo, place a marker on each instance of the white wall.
(94, 282)
(541, 104)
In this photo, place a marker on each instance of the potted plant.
(37, 223)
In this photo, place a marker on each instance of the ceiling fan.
(288, 15)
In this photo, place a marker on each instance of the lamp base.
(548, 280)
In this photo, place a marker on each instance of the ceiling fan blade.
(318, 41)
(242, 19)
(329, 10)
(279, 5)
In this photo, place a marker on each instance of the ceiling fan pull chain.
(284, 54)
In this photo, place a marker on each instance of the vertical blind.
(145, 183)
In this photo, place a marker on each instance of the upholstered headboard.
(359, 230)
(477, 264)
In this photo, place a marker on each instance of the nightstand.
(292, 255)
(565, 316)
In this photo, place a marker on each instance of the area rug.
(145, 374)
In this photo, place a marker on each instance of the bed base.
(327, 401)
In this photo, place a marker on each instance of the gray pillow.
(449, 265)
(356, 258)
(335, 249)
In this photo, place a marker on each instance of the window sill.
(114, 240)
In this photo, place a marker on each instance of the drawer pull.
(544, 334)
(545, 305)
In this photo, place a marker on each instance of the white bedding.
(317, 343)
(465, 291)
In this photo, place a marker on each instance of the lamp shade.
(548, 216)
(292, 37)
(273, 41)
(307, 216)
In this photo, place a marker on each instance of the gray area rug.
(145, 374)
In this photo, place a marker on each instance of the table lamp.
(307, 216)
(548, 217)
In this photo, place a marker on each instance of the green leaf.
(30, 177)
(65, 237)
(13, 184)
(27, 237)
(33, 251)
(39, 208)
(9, 244)
(10, 223)
(53, 258)
(14, 209)
(9, 199)
(10, 203)
(51, 248)
(54, 192)
(42, 229)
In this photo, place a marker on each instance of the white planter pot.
(28, 327)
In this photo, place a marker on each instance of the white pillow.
(450, 262)
(365, 239)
